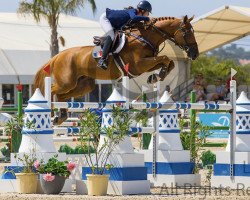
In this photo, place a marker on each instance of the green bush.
(5, 151)
(13, 128)
(77, 150)
(66, 149)
(208, 158)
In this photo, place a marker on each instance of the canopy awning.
(221, 26)
(216, 28)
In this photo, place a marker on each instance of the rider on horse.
(115, 20)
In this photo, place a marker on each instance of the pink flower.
(36, 164)
(48, 177)
(71, 166)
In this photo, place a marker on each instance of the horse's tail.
(44, 71)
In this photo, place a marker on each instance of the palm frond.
(34, 8)
(93, 5)
(62, 40)
(73, 5)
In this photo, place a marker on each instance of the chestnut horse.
(74, 70)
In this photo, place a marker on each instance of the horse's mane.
(140, 25)
(163, 18)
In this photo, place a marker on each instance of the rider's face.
(145, 13)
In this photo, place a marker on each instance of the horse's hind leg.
(84, 85)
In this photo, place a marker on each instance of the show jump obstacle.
(165, 162)
(1, 102)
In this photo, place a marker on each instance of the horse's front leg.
(154, 63)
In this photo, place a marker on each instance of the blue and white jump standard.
(128, 174)
(37, 142)
(172, 165)
(232, 167)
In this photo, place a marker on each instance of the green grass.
(4, 140)
(210, 144)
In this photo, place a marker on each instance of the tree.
(232, 52)
(212, 68)
(51, 10)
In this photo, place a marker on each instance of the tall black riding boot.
(105, 52)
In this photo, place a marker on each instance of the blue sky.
(176, 8)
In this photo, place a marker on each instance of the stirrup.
(102, 64)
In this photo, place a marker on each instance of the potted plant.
(97, 181)
(27, 177)
(53, 174)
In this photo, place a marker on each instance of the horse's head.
(179, 31)
(184, 37)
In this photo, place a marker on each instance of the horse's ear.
(190, 19)
(185, 19)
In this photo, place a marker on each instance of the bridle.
(166, 36)
(185, 33)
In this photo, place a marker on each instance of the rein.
(146, 42)
(165, 36)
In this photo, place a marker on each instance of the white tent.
(221, 26)
(24, 44)
(217, 28)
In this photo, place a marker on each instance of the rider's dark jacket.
(119, 18)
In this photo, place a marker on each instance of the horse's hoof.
(58, 120)
(152, 79)
(163, 73)
(55, 121)
(166, 70)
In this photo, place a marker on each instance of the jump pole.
(20, 103)
(47, 90)
(232, 126)
(155, 136)
(192, 125)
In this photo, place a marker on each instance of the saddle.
(116, 47)
(99, 41)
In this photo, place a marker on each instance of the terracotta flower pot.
(27, 183)
(97, 184)
(52, 187)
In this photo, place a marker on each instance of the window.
(94, 95)
(8, 94)
(106, 90)
(25, 94)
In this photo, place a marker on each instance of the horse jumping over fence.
(74, 70)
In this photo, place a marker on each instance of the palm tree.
(51, 10)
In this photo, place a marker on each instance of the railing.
(181, 91)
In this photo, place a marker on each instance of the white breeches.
(106, 26)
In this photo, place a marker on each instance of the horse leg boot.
(165, 70)
(102, 63)
(155, 63)
(61, 117)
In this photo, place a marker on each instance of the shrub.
(77, 150)
(208, 158)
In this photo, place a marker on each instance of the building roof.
(24, 44)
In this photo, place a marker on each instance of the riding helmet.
(145, 5)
